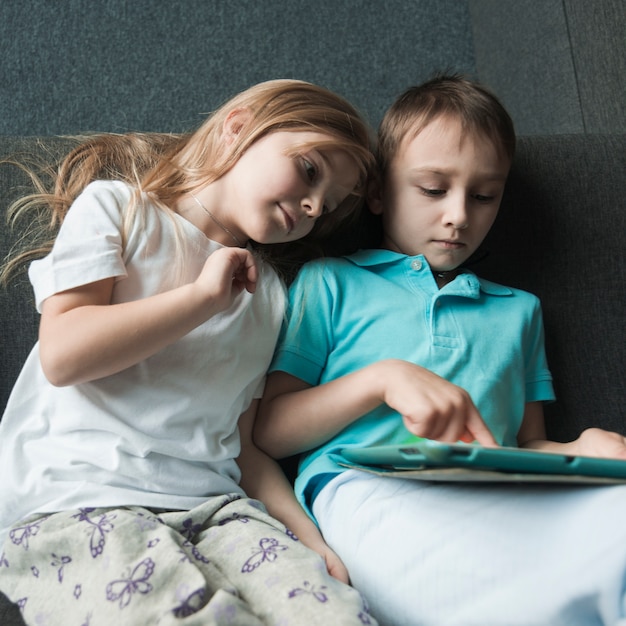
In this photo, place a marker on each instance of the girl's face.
(278, 189)
(442, 194)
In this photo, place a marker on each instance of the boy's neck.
(445, 277)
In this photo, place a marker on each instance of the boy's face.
(441, 194)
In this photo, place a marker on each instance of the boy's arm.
(295, 417)
(591, 442)
(263, 479)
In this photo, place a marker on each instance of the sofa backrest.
(559, 234)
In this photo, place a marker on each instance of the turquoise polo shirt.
(346, 313)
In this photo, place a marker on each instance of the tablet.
(427, 454)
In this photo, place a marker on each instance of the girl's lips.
(290, 221)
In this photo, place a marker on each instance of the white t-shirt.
(162, 433)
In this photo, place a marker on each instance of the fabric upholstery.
(159, 65)
(560, 234)
(558, 65)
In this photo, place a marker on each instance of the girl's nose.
(313, 206)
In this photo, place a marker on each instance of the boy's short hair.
(454, 95)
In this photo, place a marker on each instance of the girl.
(353, 370)
(125, 448)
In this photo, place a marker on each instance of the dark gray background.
(70, 66)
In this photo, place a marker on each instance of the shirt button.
(416, 264)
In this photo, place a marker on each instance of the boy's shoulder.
(524, 299)
(492, 287)
(327, 266)
(345, 266)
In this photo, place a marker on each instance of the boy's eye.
(484, 199)
(432, 192)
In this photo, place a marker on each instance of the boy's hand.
(601, 443)
(431, 406)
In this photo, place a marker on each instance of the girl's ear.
(375, 195)
(233, 124)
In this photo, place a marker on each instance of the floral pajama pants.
(225, 562)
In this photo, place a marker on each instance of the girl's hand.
(84, 337)
(431, 406)
(334, 565)
(601, 443)
(226, 273)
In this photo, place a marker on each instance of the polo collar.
(470, 281)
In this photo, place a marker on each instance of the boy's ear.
(375, 195)
(234, 122)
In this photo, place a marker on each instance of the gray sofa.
(559, 234)
(558, 66)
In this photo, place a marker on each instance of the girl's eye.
(310, 170)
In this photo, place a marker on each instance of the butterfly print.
(145, 522)
(194, 550)
(190, 529)
(134, 582)
(234, 517)
(60, 562)
(98, 529)
(190, 605)
(267, 552)
(310, 589)
(20, 535)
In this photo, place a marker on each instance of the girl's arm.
(295, 417)
(263, 479)
(591, 442)
(84, 337)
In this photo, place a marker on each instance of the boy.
(403, 340)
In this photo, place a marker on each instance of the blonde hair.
(445, 95)
(166, 166)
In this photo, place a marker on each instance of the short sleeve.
(306, 338)
(538, 377)
(89, 244)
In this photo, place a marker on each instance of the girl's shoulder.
(116, 191)
(104, 196)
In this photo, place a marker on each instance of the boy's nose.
(457, 216)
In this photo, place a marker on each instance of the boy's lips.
(453, 244)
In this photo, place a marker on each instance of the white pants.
(433, 554)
